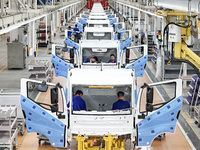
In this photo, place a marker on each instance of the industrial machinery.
(182, 23)
(99, 126)
(182, 26)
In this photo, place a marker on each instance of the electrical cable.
(164, 32)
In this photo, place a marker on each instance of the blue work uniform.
(120, 104)
(69, 33)
(87, 60)
(110, 61)
(78, 103)
(76, 29)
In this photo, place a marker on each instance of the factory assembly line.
(97, 89)
(99, 126)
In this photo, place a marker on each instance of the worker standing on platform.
(76, 34)
(26, 42)
(112, 59)
(78, 102)
(121, 103)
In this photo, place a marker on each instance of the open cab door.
(154, 115)
(62, 65)
(44, 108)
(138, 63)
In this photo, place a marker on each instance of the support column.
(133, 26)
(58, 20)
(2, 5)
(64, 15)
(33, 36)
(46, 24)
(35, 4)
(30, 44)
(145, 26)
(70, 12)
(139, 27)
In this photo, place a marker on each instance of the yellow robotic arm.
(181, 50)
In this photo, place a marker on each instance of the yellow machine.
(110, 142)
(180, 48)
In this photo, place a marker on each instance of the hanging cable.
(164, 32)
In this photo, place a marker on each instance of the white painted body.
(98, 23)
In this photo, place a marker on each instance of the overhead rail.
(17, 24)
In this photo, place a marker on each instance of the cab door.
(43, 106)
(158, 110)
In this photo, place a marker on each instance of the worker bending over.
(91, 59)
(121, 103)
(112, 59)
(78, 102)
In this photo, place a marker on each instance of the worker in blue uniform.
(78, 102)
(90, 59)
(112, 59)
(76, 34)
(69, 32)
(121, 103)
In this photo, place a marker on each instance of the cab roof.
(98, 17)
(98, 29)
(99, 43)
(98, 14)
(98, 21)
(98, 77)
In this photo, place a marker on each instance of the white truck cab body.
(98, 23)
(98, 18)
(142, 122)
(97, 14)
(102, 49)
(98, 33)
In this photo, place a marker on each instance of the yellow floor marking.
(4, 68)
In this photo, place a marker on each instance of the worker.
(76, 34)
(91, 59)
(26, 42)
(121, 103)
(142, 39)
(112, 59)
(69, 33)
(78, 102)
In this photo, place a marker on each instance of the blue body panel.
(40, 121)
(121, 34)
(83, 21)
(72, 44)
(80, 26)
(135, 96)
(111, 16)
(124, 44)
(138, 66)
(115, 26)
(113, 21)
(61, 67)
(85, 17)
(161, 121)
